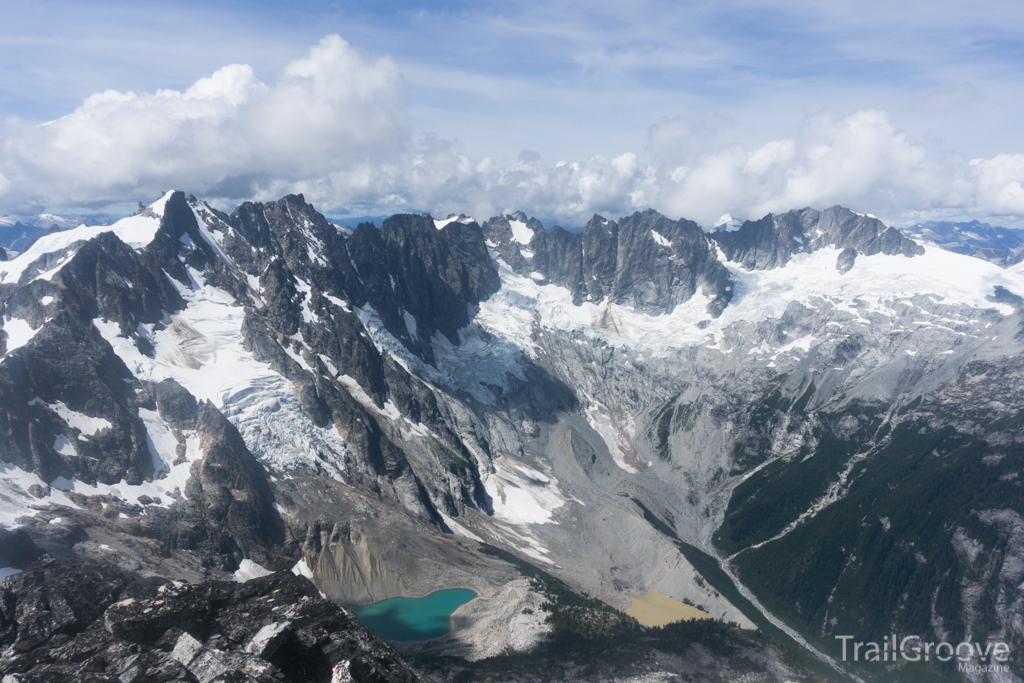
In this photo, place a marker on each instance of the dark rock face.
(3, 254)
(175, 404)
(95, 622)
(646, 260)
(663, 263)
(406, 267)
(600, 257)
(230, 488)
(847, 257)
(17, 549)
(421, 280)
(771, 241)
(68, 362)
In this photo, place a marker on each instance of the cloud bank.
(334, 127)
(227, 134)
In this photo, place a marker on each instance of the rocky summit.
(219, 432)
(92, 621)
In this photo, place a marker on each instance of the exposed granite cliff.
(645, 260)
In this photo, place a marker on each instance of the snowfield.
(873, 285)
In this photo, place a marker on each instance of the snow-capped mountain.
(17, 233)
(815, 398)
(1002, 246)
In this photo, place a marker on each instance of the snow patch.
(461, 218)
(520, 232)
(801, 344)
(617, 439)
(302, 569)
(19, 333)
(63, 446)
(342, 304)
(520, 494)
(305, 291)
(16, 502)
(660, 239)
(86, 425)
(458, 529)
(249, 570)
(159, 205)
(328, 364)
(410, 323)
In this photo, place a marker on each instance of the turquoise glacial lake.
(413, 618)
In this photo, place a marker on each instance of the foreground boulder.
(86, 621)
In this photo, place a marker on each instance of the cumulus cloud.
(227, 134)
(333, 126)
(1000, 183)
(862, 160)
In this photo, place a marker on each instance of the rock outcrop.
(63, 621)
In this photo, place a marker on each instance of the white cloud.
(224, 134)
(1000, 183)
(862, 161)
(334, 127)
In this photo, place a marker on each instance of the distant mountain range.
(16, 234)
(1002, 246)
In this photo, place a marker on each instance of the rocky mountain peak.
(771, 241)
(422, 280)
(646, 261)
(662, 263)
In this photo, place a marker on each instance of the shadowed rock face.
(17, 549)
(232, 490)
(94, 621)
(771, 241)
(435, 273)
(68, 362)
(645, 261)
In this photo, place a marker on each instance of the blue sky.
(688, 97)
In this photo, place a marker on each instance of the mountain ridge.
(395, 398)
